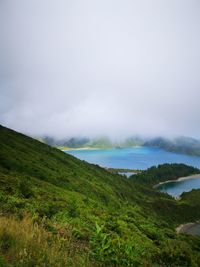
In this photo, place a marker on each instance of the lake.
(176, 188)
(194, 230)
(139, 158)
(189, 228)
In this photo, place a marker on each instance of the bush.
(24, 188)
(73, 209)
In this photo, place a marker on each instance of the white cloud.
(100, 67)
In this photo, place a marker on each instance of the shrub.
(73, 209)
(24, 188)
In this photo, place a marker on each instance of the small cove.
(189, 228)
(177, 187)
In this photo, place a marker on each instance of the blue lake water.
(176, 188)
(127, 174)
(133, 158)
(142, 158)
(194, 230)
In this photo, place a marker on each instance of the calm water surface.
(142, 158)
(194, 230)
(127, 174)
(176, 188)
(133, 158)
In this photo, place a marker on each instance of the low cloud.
(91, 68)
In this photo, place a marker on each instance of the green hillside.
(56, 210)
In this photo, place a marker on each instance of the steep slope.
(84, 215)
(27, 156)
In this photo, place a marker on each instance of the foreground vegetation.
(59, 211)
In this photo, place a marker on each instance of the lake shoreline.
(139, 158)
(94, 148)
(178, 180)
(117, 170)
(185, 228)
(79, 149)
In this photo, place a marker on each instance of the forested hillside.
(164, 172)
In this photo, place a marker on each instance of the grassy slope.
(100, 218)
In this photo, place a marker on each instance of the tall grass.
(24, 243)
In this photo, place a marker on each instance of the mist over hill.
(185, 145)
(102, 142)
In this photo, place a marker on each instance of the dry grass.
(24, 243)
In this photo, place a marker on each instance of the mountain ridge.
(183, 145)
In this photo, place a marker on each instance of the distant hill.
(56, 210)
(183, 145)
(71, 143)
(102, 142)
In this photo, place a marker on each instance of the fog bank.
(96, 68)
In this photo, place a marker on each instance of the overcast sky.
(106, 67)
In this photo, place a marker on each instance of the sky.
(93, 68)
